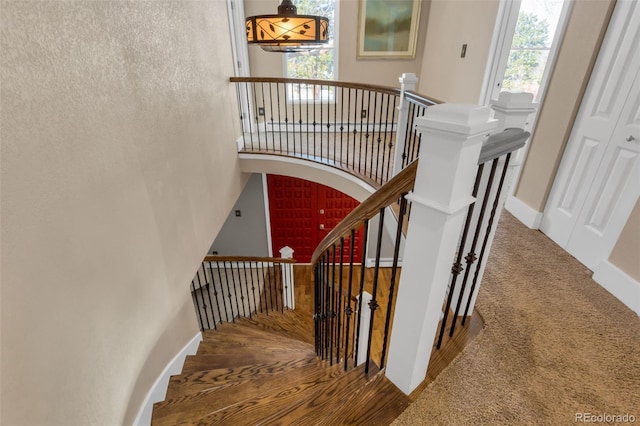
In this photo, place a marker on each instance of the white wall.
(118, 169)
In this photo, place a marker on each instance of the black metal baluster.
(373, 304)
(341, 125)
(361, 133)
(487, 233)
(369, 137)
(321, 124)
(335, 124)
(314, 121)
(226, 276)
(332, 304)
(392, 280)
(250, 130)
(348, 131)
(340, 302)
(204, 304)
(195, 295)
(242, 125)
(235, 287)
(273, 129)
(362, 270)
(256, 115)
(390, 161)
(279, 116)
(264, 118)
(327, 302)
(457, 268)
(293, 119)
(300, 120)
(408, 136)
(349, 311)
(213, 316)
(215, 292)
(316, 329)
(415, 146)
(246, 286)
(224, 301)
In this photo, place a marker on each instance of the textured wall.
(118, 169)
(444, 74)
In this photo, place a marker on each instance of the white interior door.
(597, 182)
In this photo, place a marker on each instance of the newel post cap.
(408, 78)
(514, 101)
(461, 119)
(286, 252)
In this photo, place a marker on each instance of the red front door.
(302, 214)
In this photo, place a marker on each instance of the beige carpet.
(555, 344)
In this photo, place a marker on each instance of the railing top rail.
(350, 85)
(502, 143)
(421, 100)
(213, 258)
(385, 196)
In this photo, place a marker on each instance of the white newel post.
(512, 110)
(365, 322)
(408, 82)
(286, 252)
(452, 137)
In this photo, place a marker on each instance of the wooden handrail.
(385, 196)
(334, 83)
(214, 258)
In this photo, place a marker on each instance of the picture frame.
(388, 29)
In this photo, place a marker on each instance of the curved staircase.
(264, 370)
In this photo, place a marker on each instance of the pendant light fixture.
(287, 31)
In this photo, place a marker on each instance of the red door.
(302, 214)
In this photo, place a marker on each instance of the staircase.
(264, 370)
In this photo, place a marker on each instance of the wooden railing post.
(408, 82)
(288, 290)
(453, 136)
(512, 110)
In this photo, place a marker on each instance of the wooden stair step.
(209, 362)
(322, 403)
(188, 409)
(245, 332)
(199, 381)
(285, 326)
(275, 400)
(379, 403)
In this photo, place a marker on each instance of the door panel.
(615, 189)
(304, 212)
(597, 182)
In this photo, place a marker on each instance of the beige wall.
(370, 71)
(578, 51)
(626, 253)
(452, 23)
(118, 169)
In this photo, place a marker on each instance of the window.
(535, 30)
(318, 64)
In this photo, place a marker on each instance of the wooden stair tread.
(379, 403)
(246, 332)
(321, 403)
(199, 381)
(255, 344)
(212, 361)
(210, 404)
(254, 411)
(286, 325)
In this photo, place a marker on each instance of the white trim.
(385, 262)
(525, 214)
(618, 283)
(158, 391)
(267, 213)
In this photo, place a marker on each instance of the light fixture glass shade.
(287, 32)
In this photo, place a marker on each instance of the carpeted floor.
(555, 344)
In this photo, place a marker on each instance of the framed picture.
(388, 29)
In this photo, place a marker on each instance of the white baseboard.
(525, 214)
(159, 389)
(618, 283)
